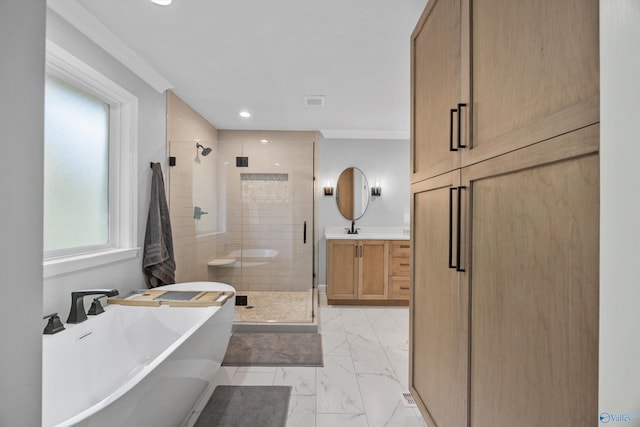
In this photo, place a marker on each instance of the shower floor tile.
(275, 307)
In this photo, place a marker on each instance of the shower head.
(205, 150)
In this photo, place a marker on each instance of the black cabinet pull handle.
(460, 106)
(451, 190)
(451, 113)
(458, 228)
(459, 236)
(304, 237)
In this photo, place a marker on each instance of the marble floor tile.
(366, 369)
(399, 360)
(301, 379)
(335, 345)
(337, 387)
(341, 420)
(253, 378)
(302, 411)
(368, 355)
(384, 403)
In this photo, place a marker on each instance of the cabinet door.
(535, 72)
(342, 269)
(435, 79)
(534, 278)
(373, 281)
(438, 309)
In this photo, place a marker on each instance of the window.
(76, 170)
(90, 159)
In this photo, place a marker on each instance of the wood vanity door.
(373, 280)
(342, 269)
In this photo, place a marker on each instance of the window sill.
(70, 264)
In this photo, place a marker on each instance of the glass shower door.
(269, 213)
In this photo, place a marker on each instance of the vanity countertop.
(367, 233)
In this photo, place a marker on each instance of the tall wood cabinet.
(505, 202)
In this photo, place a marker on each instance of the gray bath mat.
(274, 349)
(246, 406)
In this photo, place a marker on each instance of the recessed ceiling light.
(264, 141)
(245, 114)
(162, 2)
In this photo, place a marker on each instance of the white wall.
(151, 148)
(384, 160)
(619, 209)
(21, 133)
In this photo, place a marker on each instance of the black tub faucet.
(77, 313)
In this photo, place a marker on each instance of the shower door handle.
(304, 235)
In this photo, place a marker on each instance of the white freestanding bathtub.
(135, 366)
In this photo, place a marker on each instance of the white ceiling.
(265, 56)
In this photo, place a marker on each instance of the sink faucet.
(353, 229)
(77, 313)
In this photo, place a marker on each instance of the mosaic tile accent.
(273, 189)
(264, 176)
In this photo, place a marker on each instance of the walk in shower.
(252, 209)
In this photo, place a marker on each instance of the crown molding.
(364, 134)
(80, 18)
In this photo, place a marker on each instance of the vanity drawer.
(399, 288)
(400, 249)
(400, 266)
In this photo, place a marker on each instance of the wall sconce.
(376, 191)
(328, 190)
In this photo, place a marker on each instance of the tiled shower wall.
(185, 127)
(193, 248)
(265, 207)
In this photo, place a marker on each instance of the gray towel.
(158, 263)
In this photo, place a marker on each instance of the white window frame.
(123, 149)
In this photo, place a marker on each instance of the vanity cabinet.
(357, 270)
(368, 272)
(504, 257)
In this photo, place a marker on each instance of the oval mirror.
(352, 193)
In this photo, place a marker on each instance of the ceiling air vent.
(314, 100)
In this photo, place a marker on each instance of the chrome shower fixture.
(205, 150)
